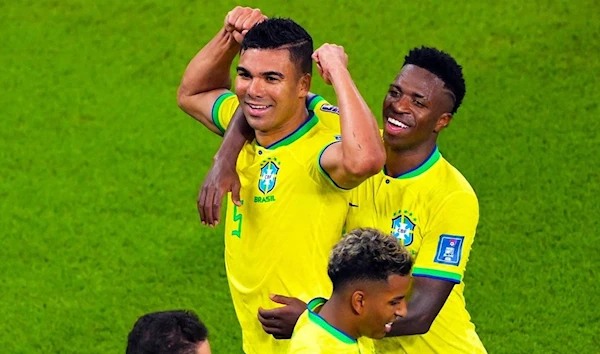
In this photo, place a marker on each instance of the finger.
(270, 314)
(281, 299)
(276, 332)
(315, 56)
(230, 19)
(320, 68)
(207, 205)
(269, 322)
(216, 206)
(201, 200)
(254, 18)
(235, 192)
(237, 36)
(244, 14)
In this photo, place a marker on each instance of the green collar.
(297, 134)
(319, 321)
(426, 165)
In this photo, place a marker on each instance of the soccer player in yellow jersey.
(370, 273)
(425, 203)
(293, 169)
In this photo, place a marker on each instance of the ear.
(443, 122)
(358, 301)
(304, 85)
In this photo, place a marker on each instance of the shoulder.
(328, 114)
(451, 181)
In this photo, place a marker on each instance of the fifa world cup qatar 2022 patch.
(449, 250)
(331, 109)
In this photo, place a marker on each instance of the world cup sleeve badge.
(449, 250)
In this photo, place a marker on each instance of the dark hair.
(443, 66)
(282, 33)
(169, 332)
(367, 254)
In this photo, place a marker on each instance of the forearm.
(210, 68)
(415, 322)
(236, 135)
(427, 299)
(362, 146)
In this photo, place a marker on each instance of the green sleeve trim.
(314, 101)
(325, 172)
(216, 107)
(436, 274)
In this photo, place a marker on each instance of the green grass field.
(99, 169)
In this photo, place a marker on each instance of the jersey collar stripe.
(298, 133)
(319, 321)
(422, 168)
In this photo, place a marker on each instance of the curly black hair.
(168, 332)
(367, 254)
(282, 33)
(444, 66)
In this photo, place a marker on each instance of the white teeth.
(256, 106)
(397, 123)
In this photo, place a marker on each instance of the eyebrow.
(398, 298)
(266, 73)
(416, 94)
(273, 73)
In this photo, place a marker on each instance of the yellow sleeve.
(223, 110)
(328, 115)
(447, 241)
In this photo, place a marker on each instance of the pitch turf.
(99, 168)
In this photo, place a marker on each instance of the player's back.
(279, 240)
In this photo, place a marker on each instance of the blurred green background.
(99, 169)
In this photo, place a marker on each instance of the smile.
(256, 106)
(397, 123)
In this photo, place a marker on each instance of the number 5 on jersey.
(237, 217)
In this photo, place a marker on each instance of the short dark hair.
(444, 66)
(367, 254)
(282, 33)
(168, 332)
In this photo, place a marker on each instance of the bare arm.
(361, 153)
(207, 76)
(222, 176)
(427, 299)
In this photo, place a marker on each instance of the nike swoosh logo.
(353, 205)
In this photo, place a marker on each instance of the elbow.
(365, 167)
(422, 329)
(181, 98)
(423, 324)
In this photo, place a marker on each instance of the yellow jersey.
(279, 240)
(313, 335)
(434, 212)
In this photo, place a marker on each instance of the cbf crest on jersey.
(268, 176)
(403, 228)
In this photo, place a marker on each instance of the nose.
(255, 88)
(401, 309)
(401, 104)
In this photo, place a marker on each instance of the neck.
(268, 138)
(400, 161)
(337, 313)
